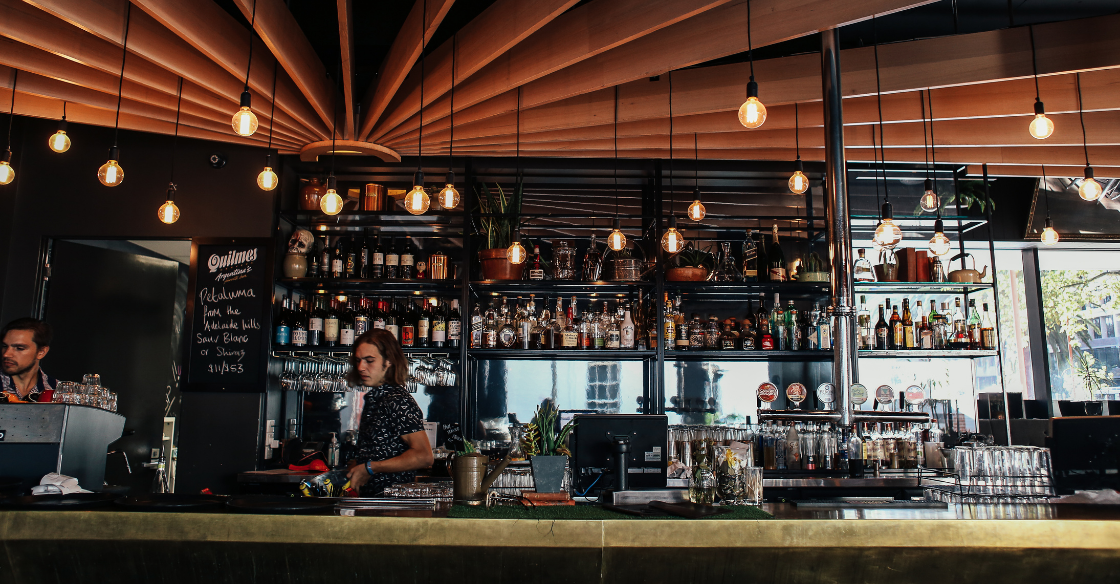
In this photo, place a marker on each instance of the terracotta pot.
(310, 194)
(686, 274)
(495, 266)
(295, 265)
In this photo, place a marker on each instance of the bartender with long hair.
(392, 443)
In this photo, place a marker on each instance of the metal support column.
(995, 301)
(839, 227)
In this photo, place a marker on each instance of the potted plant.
(499, 225)
(814, 270)
(690, 265)
(546, 448)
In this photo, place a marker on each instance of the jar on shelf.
(310, 194)
(564, 260)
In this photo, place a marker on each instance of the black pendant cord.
(63, 108)
(925, 143)
(517, 151)
(272, 114)
(1081, 114)
(1034, 63)
(796, 131)
(1046, 193)
(120, 82)
(451, 145)
(175, 138)
(875, 162)
(696, 164)
(616, 152)
(932, 143)
(423, 48)
(252, 33)
(672, 190)
(750, 45)
(12, 107)
(334, 122)
(879, 101)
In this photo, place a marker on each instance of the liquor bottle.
(536, 270)
(424, 325)
(793, 328)
(750, 258)
(409, 318)
(408, 261)
(898, 339)
(393, 322)
(712, 333)
(778, 325)
(523, 322)
(537, 334)
(586, 328)
(728, 340)
(882, 332)
(628, 331)
(762, 322)
(907, 325)
(987, 331)
(283, 329)
(347, 329)
(476, 328)
(960, 329)
(925, 335)
(974, 327)
(363, 258)
(669, 326)
(325, 259)
(943, 330)
(726, 271)
(812, 339)
(392, 261)
(866, 333)
(614, 330)
(862, 270)
(592, 262)
(361, 317)
(748, 335)
(855, 454)
(777, 259)
(377, 261)
(559, 321)
(315, 323)
(696, 333)
(299, 324)
(569, 335)
(454, 325)
(507, 332)
(338, 259)
(351, 258)
(490, 324)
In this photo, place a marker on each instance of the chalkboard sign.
(228, 309)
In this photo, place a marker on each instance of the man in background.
(23, 343)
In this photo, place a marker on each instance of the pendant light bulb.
(939, 245)
(1049, 235)
(111, 174)
(331, 203)
(798, 183)
(1090, 189)
(417, 200)
(448, 198)
(752, 113)
(267, 179)
(888, 234)
(672, 241)
(7, 173)
(696, 210)
(169, 212)
(59, 141)
(930, 202)
(515, 253)
(245, 121)
(617, 240)
(1041, 127)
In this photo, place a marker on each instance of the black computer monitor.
(593, 461)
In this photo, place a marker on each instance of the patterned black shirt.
(388, 413)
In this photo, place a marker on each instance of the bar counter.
(888, 546)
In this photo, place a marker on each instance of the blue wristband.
(369, 469)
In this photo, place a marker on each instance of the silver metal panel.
(32, 423)
(69, 439)
(89, 431)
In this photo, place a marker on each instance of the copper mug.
(437, 266)
(373, 197)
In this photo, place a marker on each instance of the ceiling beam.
(998, 170)
(150, 40)
(346, 40)
(579, 34)
(403, 53)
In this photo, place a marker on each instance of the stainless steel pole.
(839, 227)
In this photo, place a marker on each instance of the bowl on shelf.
(686, 274)
(495, 265)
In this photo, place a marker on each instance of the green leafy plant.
(541, 437)
(971, 193)
(502, 213)
(468, 448)
(691, 257)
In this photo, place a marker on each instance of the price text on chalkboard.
(229, 318)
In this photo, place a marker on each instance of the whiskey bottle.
(898, 339)
(750, 258)
(987, 331)
(454, 325)
(882, 332)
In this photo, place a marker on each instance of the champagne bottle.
(777, 259)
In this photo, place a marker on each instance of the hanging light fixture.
(332, 203)
(111, 174)
(7, 173)
(939, 245)
(798, 183)
(168, 211)
(696, 210)
(888, 233)
(752, 113)
(672, 241)
(515, 253)
(59, 141)
(1090, 189)
(1049, 235)
(616, 240)
(448, 197)
(244, 120)
(1041, 127)
(417, 200)
(929, 202)
(267, 179)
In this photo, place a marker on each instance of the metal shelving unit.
(381, 287)
(920, 287)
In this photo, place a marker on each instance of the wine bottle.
(283, 335)
(454, 325)
(392, 261)
(331, 324)
(377, 261)
(299, 324)
(338, 259)
(315, 323)
(351, 258)
(325, 258)
(882, 331)
(347, 329)
(439, 325)
(363, 259)
(423, 325)
(408, 261)
(777, 259)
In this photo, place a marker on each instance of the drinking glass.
(702, 486)
(91, 379)
(752, 485)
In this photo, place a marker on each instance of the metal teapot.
(965, 274)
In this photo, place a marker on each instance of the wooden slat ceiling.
(565, 61)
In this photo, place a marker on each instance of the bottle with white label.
(331, 325)
(454, 325)
(627, 333)
(347, 331)
(392, 262)
(315, 324)
(299, 324)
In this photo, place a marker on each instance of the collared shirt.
(42, 392)
(388, 413)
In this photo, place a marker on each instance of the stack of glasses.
(998, 474)
(87, 393)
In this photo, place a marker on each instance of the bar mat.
(583, 512)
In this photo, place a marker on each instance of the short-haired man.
(23, 343)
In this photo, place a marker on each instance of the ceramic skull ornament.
(301, 241)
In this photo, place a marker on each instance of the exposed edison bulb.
(7, 173)
(331, 203)
(1041, 127)
(798, 183)
(617, 239)
(888, 234)
(1049, 235)
(59, 141)
(930, 202)
(939, 245)
(672, 241)
(169, 212)
(448, 198)
(696, 210)
(111, 174)
(515, 253)
(244, 120)
(267, 180)
(752, 113)
(1090, 189)
(417, 200)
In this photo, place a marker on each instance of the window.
(1096, 328)
(1109, 327)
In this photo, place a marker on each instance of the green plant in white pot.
(546, 447)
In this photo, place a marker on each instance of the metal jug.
(468, 472)
(966, 274)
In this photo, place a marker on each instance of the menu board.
(228, 310)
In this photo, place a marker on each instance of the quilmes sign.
(231, 259)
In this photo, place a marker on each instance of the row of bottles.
(824, 446)
(323, 321)
(779, 328)
(934, 331)
(353, 258)
(522, 327)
